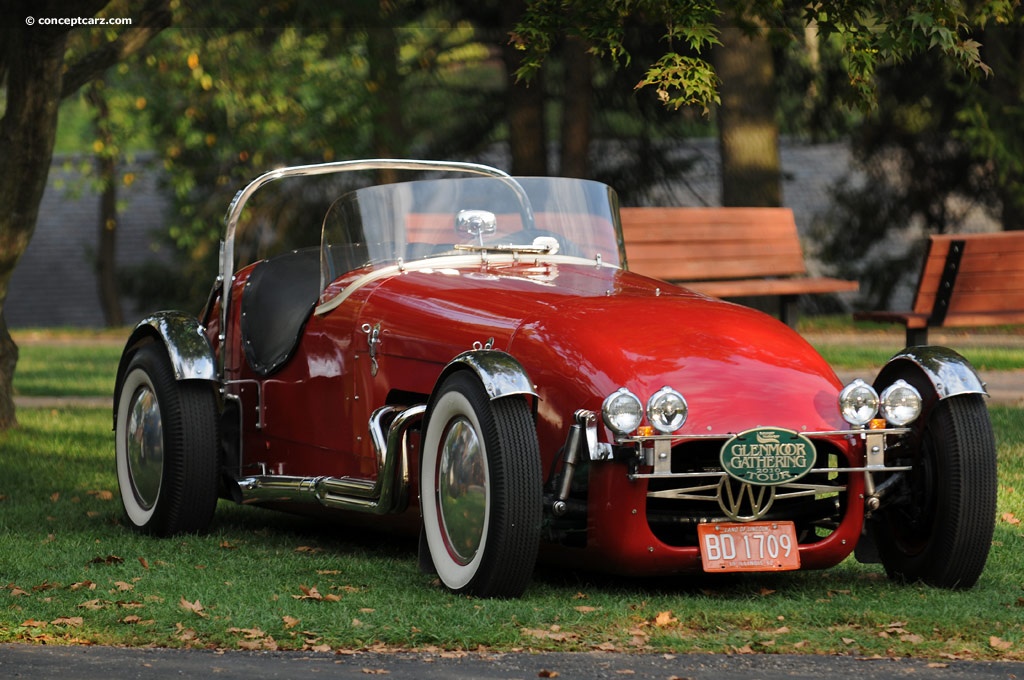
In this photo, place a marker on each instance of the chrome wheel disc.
(145, 447)
(462, 490)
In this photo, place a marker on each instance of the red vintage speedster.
(471, 353)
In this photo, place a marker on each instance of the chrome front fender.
(501, 374)
(947, 372)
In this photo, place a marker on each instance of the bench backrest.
(699, 244)
(988, 270)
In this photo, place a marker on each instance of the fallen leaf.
(92, 605)
(70, 621)
(664, 619)
(544, 673)
(376, 671)
(290, 622)
(32, 623)
(103, 495)
(311, 593)
(185, 634)
(1009, 518)
(109, 559)
(1000, 644)
(194, 607)
(585, 609)
(144, 562)
(124, 587)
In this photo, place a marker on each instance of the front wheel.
(940, 531)
(480, 490)
(166, 447)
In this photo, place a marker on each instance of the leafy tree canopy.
(868, 33)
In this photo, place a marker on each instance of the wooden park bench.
(968, 280)
(725, 252)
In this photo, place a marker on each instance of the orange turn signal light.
(877, 424)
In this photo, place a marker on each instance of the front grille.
(675, 506)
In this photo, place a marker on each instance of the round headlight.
(858, 403)
(667, 410)
(901, 403)
(622, 411)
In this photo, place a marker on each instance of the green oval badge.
(766, 456)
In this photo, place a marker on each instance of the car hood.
(582, 332)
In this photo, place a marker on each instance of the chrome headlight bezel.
(622, 411)
(858, 403)
(900, 403)
(667, 410)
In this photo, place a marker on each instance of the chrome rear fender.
(187, 347)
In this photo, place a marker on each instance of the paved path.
(103, 663)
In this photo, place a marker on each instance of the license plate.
(752, 546)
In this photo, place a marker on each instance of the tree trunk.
(747, 132)
(34, 61)
(576, 110)
(1004, 49)
(527, 137)
(32, 67)
(389, 128)
(106, 251)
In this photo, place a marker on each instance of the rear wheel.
(480, 490)
(166, 447)
(940, 531)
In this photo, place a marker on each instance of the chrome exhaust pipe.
(388, 493)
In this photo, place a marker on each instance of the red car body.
(332, 413)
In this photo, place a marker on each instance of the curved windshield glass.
(381, 225)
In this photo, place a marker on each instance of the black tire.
(166, 447)
(940, 531)
(480, 490)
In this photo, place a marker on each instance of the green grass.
(72, 369)
(71, 572)
(874, 357)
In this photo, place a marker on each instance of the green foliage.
(869, 35)
(939, 147)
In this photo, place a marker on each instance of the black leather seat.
(278, 299)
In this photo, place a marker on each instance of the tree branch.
(154, 17)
